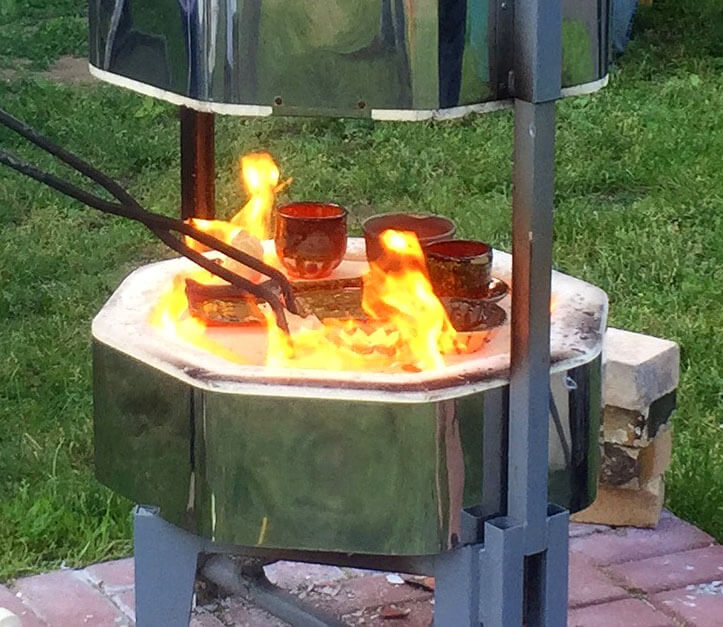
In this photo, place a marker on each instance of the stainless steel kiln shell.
(378, 58)
(320, 474)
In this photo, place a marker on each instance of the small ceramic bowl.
(428, 228)
(459, 268)
(310, 238)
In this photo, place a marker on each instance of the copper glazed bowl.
(459, 268)
(427, 227)
(310, 238)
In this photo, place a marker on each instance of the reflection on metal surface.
(330, 57)
(332, 475)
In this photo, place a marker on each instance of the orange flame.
(260, 177)
(171, 315)
(408, 327)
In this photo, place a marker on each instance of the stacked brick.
(640, 379)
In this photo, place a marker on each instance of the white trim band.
(386, 115)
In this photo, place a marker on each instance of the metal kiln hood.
(385, 59)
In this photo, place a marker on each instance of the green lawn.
(639, 206)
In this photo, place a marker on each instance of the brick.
(577, 530)
(421, 614)
(624, 426)
(590, 585)
(639, 369)
(292, 575)
(113, 576)
(623, 613)
(668, 572)
(204, 619)
(63, 598)
(632, 467)
(701, 605)
(672, 535)
(624, 506)
(365, 592)
(654, 459)
(660, 412)
(126, 601)
(619, 466)
(10, 601)
(241, 614)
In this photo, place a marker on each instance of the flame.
(220, 229)
(408, 327)
(171, 316)
(260, 176)
(397, 291)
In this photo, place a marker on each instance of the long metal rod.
(162, 226)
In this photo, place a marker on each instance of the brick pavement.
(671, 576)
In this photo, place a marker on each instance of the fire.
(405, 326)
(260, 178)
(407, 329)
(171, 315)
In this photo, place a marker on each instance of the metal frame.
(513, 567)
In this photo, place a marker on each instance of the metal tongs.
(165, 228)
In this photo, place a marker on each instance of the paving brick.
(668, 572)
(240, 614)
(62, 598)
(624, 613)
(672, 535)
(292, 575)
(126, 601)
(204, 619)
(577, 530)
(421, 614)
(113, 576)
(350, 595)
(10, 601)
(698, 606)
(590, 585)
(639, 369)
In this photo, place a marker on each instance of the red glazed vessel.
(310, 238)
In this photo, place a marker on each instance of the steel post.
(197, 164)
(530, 347)
(165, 570)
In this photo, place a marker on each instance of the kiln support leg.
(485, 584)
(165, 570)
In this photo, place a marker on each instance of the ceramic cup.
(310, 238)
(428, 228)
(459, 268)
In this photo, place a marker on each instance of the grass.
(639, 200)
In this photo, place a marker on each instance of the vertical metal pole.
(165, 569)
(197, 164)
(536, 86)
(530, 349)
